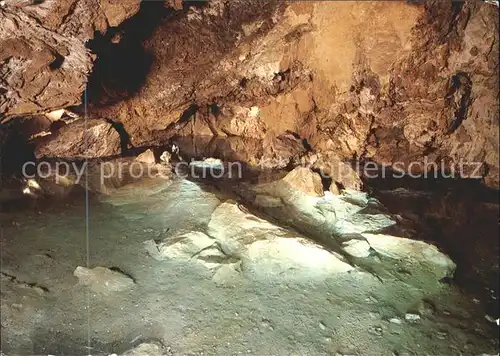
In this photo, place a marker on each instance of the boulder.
(147, 157)
(60, 178)
(147, 349)
(244, 228)
(81, 139)
(165, 158)
(360, 222)
(357, 248)
(44, 61)
(329, 214)
(292, 257)
(354, 225)
(305, 180)
(103, 280)
(242, 122)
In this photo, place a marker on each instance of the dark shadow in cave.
(125, 143)
(122, 63)
(458, 215)
(433, 181)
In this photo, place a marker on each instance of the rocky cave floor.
(186, 267)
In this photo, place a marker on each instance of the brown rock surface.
(305, 180)
(393, 82)
(79, 140)
(268, 153)
(378, 80)
(147, 157)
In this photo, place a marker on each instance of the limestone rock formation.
(427, 256)
(185, 246)
(341, 173)
(147, 349)
(254, 248)
(266, 250)
(268, 153)
(413, 83)
(103, 280)
(410, 86)
(198, 55)
(81, 139)
(305, 180)
(357, 226)
(44, 63)
(250, 246)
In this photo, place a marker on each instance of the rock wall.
(44, 63)
(392, 82)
